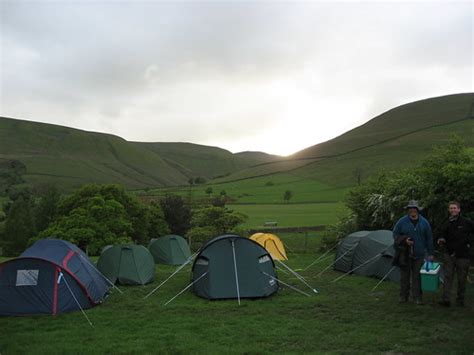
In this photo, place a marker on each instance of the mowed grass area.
(290, 215)
(261, 199)
(346, 316)
(265, 189)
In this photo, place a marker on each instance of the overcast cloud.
(270, 76)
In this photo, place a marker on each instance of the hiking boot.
(444, 303)
(403, 299)
(460, 303)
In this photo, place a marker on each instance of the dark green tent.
(230, 266)
(374, 248)
(127, 264)
(170, 250)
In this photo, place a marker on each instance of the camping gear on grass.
(230, 266)
(170, 250)
(272, 243)
(127, 264)
(430, 276)
(368, 253)
(52, 276)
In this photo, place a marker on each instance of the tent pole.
(174, 273)
(235, 270)
(335, 261)
(301, 278)
(288, 285)
(320, 257)
(75, 299)
(388, 273)
(184, 289)
(366, 262)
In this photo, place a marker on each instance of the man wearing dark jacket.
(413, 232)
(455, 240)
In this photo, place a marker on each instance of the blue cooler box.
(430, 276)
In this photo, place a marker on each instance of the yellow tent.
(272, 243)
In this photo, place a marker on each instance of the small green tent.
(170, 250)
(230, 266)
(374, 248)
(127, 264)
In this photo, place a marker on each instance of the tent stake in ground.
(236, 275)
(388, 273)
(184, 289)
(358, 267)
(174, 273)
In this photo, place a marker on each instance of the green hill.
(394, 139)
(70, 157)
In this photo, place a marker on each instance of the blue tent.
(52, 276)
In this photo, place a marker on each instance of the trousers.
(410, 278)
(455, 266)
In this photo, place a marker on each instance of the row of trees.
(98, 215)
(446, 174)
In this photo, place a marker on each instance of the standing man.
(456, 243)
(413, 231)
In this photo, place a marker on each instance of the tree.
(446, 174)
(176, 213)
(210, 222)
(287, 196)
(19, 226)
(209, 191)
(46, 207)
(97, 215)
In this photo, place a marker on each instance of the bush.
(446, 174)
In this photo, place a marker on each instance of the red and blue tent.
(52, 276)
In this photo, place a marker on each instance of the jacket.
(403, 252)
(458, 235)
(420, 233)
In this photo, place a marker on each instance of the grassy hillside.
(395, 139)
(209, 162)
(70, 157)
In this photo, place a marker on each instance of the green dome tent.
(230, 266)
(127, 264)
(170, 250)
(372, 248)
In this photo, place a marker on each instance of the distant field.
(313, 203)
(266, 189)
(345, 317)
(291, 215)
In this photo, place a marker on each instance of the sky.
(266, 76)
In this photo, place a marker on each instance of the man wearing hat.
(455, 240)
(414, 231)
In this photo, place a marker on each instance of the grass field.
(345, 317)
(313, 203)
(291, 215)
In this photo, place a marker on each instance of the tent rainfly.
(232, 267)
(51, 277)
(170, 250)
(359, 247)
(127, 264)
(272, 243)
